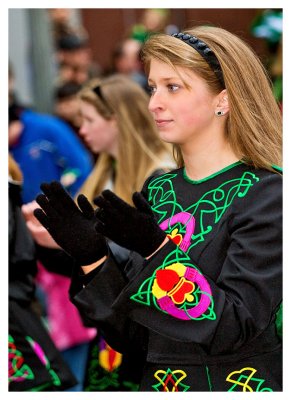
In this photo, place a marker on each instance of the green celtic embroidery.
(177, 287)
(213, 203)
(145, 295)
(18, 369)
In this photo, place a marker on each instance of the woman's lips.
(163, 122)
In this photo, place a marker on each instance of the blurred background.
(50, 47)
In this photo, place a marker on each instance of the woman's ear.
(222, 106)
(113, 122)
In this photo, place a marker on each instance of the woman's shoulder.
(258, 174)
(265, 189)
(269, 176)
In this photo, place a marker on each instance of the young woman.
(116, 126)
(204, 283)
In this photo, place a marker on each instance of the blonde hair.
(140, 149)
(14, 170)
(254, 125)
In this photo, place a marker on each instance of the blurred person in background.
(72, 50)
(268, 25)
(46, 147)
(125, 59)
(66, 107)
(35, 364)
(153, 20)
(116, 125)
(74, 59)
(66, 104)
(128, 144)
(62, 24)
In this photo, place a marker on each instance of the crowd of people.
(145, 217)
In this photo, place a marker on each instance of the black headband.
(97, 90)
(202, 48)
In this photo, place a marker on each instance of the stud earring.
(219, 113)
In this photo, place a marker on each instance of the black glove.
(71, 227)
(130, 227)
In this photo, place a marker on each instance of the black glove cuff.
(150, 245)
(90, 258)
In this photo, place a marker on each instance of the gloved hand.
(130, 227)
(71, 227)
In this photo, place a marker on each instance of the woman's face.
(182, 115)
(100, 134)
(14, 132)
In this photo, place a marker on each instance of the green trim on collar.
(210, 176)
(277, 168)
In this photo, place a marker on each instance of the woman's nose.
(155, 102)
(82, 130)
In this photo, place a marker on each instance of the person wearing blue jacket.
(46, 148)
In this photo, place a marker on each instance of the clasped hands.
(82, 231)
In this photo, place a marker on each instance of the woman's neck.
(200, 163)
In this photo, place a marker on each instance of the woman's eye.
(152, 89)
(173, 88)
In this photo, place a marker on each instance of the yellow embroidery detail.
(157, 291)
(165, 381)
(245, 384)
(177, 267)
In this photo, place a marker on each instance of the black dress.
(203, 308)
(34, 362)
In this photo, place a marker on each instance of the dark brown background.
(107, 26)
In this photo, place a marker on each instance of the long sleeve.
(94, 301)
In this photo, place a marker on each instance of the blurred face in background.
(14, 132)
(100, 134)
(74, 65)
(127, 60)
(68, 109)
(60, 15)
